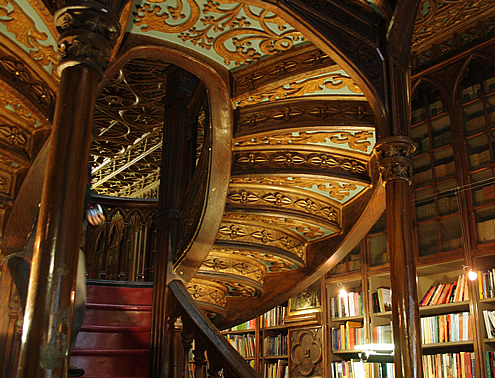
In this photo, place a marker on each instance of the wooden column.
(47, 323)
(174, 179)
(396, 169)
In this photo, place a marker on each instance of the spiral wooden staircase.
(250, 129)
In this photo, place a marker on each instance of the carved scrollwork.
(304, 87)
(220, 25)
(395, 158)
(359, 140)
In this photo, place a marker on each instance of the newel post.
(87, 33)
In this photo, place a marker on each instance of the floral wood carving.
(220, 24)
(23, 27)
(308, 86)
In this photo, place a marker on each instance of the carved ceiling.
(304, 133)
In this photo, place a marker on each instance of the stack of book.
(275, 317)
(441, 293)
(349, 304)
(275, 345)
(489, 317)
(347, 335)
(279, 369)
(446, 328)
(486, 282)
(383, 334)
(382, 300)
(244, 344)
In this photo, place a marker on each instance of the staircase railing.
(212, 355)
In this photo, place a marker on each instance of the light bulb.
(343, 293)
(472, 275)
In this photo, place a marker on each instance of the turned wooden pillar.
(84, 49)
(174, 180)
(396, 168)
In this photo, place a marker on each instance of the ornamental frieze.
(301, 88)
(320, 115)
(274, 263)
(207, 292)
(307, 230)
(298, 162)
(289, 201)
(253, 234)
(226, 263)
(297, 61)
(335, 189)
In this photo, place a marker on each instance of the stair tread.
(113, 328)
(110, 352)
(123, 307)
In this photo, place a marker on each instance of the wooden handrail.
(226, 357)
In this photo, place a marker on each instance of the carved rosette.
(395, 158)
(87, 33)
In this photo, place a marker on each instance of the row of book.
(486, 283)
(347, 304)
(250, 324)
(245, 344)
(441, 293)
(446, 328)
(279, 369)
(489, 318)
(275, 317)
(448, 365)
(382, 300)
(347, 335)
(361, 369)
(490, 363)
(383, 334)
(275, 345)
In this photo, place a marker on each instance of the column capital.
(88, 31)
(395, 158)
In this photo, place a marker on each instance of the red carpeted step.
(115, 337)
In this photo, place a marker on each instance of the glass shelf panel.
(428, 239)
(446, 198)
(421, 138)
(490, 104)
(474, 117)
(378, 250)
(422, 169)
(425, 204)
(444, 162)
(485, 223)
(478, 152)
(451, 233)
(483, 187)
(441, 131)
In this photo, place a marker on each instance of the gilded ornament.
(289, 160)
(13, 135)
(252, 160)
(308, 86)
(244, 197)
(218, 27)
(358, 141)
(26, 33)
(353, 166)
(277, 199)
